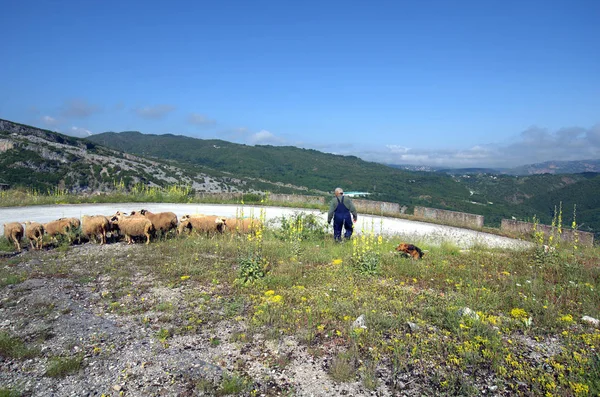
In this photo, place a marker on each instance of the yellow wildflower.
(518, 313)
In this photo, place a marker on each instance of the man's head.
(339, 191)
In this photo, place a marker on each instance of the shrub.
(252, 268)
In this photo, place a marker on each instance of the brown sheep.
(35, 233)
(162, 221)
(14, 232)
(62, 226)
(133, 226)
(201, 224)
(243, 225)
(96, 225)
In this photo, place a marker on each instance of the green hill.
(44, 160)
(291, 165)
(494, 196)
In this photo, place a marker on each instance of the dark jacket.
(347, 202)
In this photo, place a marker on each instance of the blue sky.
(446, 83)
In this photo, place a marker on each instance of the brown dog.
(411, 250)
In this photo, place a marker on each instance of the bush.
(301, 226)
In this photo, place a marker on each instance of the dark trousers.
(339, 221)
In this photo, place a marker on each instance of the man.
(340, 210)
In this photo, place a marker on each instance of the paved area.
(413, 231)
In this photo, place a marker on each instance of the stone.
(591, 320)
(466, 312)
(412, 327)
(360, 322)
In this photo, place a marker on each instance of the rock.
(400, 385)
(412, 327)
(466, 312)
(117, 388)
(591, 320)
(359, 322)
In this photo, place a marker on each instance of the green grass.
(313, 292)
(59, 367)
(7, 392)
(13, 347)
(6, 246)
(233, 384)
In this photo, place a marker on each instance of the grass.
(59, 367)
(13, 347)
(527, 336)
(5, 245)
(341, 369)
(232, 384)
(7, 392)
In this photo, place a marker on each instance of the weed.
(366, 255)
(233, 384)
(59, 367)
(252, 268)
(7, 392)
(341, 369)
(10, 279)
(12, 347)
(369, 375)
(5, 245)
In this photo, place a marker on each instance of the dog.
(411, 250)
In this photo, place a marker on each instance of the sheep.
(62, 226)
(133, 226)
(95, 225)
(163, 221)
(14, 231)
(243, 225)
(201, 224)
(35, 233)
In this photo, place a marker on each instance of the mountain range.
(548, 167)
(43, 159)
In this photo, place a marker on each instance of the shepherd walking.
(343, 212)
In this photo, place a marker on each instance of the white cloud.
(154, 112)
(78, 108)
(397, 148)
(79, 132)
(534, 145)
(50, 121)
(200, 120)
(264, 137)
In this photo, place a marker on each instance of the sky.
(432, 82)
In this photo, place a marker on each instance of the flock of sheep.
(142, 224)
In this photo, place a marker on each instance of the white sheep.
(133, 226)
(243, 225)
(201, 224)
(62, 226)
(163, 221)
(14, 231)
(96, 225)
(35, 233)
